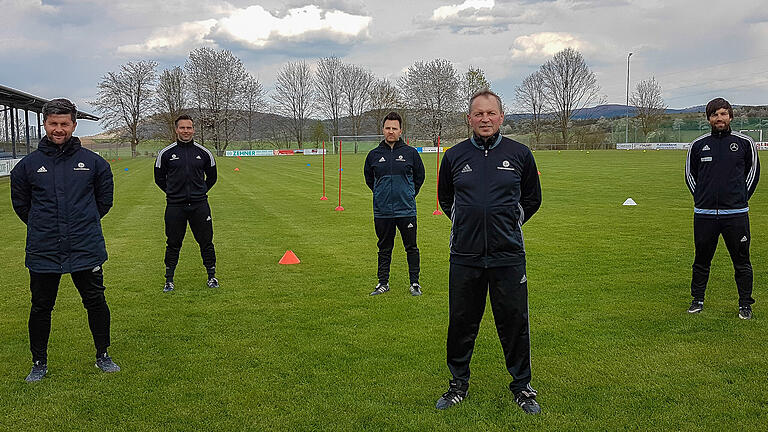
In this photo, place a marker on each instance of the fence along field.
(304, 347)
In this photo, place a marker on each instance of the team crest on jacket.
(81, 167)
(505, 166)
(734, 147)
(400, 158)
(174, 157)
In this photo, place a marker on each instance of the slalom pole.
(437, 211)
(339, 208)
(324, 198)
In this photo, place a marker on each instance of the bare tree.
(384, 98)
(217, 79)
(125, 98)
(433, 89)
(293, 96)
(356, 84)
(171, 98)
(649, 104)
(472, 81)
(530, 100)
(569, 85)
(328, 90)
(252, 100)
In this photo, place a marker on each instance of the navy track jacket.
(395, 176)
(722, 170)
(62, 193)
(488, 194)
(185, 171)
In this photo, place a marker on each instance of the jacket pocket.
(504, 230)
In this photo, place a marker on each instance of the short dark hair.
(393, 116)
(716, 104)
(60, 106)
(182, 117)
(485, 92)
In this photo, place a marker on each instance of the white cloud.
(172, 39)
(258, 27)
(538, 46)
(452, 11)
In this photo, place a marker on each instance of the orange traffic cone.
(237, 169)
(289, 258)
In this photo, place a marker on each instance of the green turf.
(305, 348)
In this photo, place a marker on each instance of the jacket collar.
(51, 149)
(399, 143)
(184, 143)
(486, 143)
(721, 134)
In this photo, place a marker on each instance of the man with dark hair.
(395, 173)
(489, 187)
(186, 171)
(722, 170)
(61, 191)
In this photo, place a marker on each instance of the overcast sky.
(697, 50)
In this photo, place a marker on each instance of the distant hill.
(610, 111)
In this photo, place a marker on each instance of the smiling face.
(59, 128)
(720, 120)
(185, 130)
(485, 116)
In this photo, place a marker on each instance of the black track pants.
(198, 215)
(508, 287)
(735, 232)
(45, 287)
(385, 231)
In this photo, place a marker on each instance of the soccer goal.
(355, 143)
(753, 130)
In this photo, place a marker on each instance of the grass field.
(304, 347)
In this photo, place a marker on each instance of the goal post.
(355, 143)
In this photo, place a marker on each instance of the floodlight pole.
(626, 131)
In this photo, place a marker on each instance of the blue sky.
(697, 50)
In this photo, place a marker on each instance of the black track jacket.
(722, 170)
(62, 193)
(185, 171)
(395, 176)
(488, 194)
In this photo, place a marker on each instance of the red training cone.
(289, 258)
(539, 172)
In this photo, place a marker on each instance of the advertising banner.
(6, 165)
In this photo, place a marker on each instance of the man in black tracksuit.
(489, 186)
(722, 170)
(61, 191)
(186, 171)
(395, 173)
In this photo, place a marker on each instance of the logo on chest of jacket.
(400, 158)
(734, 147)
(174, 157)
(382, 159)
(466, 169)
(42, 169)
(744, 239)
(198, 157)
(505, 166)
(705, 148)
(81, 167)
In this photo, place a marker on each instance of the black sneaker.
(745, 312)
(526, 399)
(38, 371)
(213, 283)
(696, 306)
(457, 392)
(381, 288)
(415, 289)
(105, 363)
(168, 287)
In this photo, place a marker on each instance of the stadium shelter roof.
(13, 98)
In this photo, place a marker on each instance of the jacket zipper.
(485, 209)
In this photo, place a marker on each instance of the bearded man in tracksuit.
(722, 170)
(489, 186)
(186, 171)
(61, 191)
(394, 172)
